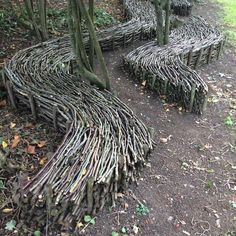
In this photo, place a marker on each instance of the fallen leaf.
(120, 195)
(12, 125)
(7, 210)
(207, 146)
(15, 141)
(126, 206)
(30, 149)
(41, 144)
(29, 125)
(135, 229)
(4, 144)
(10, 225)
(163, 140)
(3, 103)
(84, 172)
(42, 161)
(79, 225)
(144, 83)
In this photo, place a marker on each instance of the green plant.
(229, 121)
(114, 233)
(37, 233)
(89, 219)
(7, 23)
(102, 18)
(57, 18)
(141, 210)
(209, 184)
(2, 185)
(10, 225)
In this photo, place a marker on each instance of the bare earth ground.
(189, 185)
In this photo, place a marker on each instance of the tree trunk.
(160, 22)
(97, 47)
(43, 18)
(167, 22)
(91, 44)
(30, 12)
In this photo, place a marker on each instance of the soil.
(189, 184)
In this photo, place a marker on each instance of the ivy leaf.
(123, 230)
(37, 233)
(114, 233)
(10, 225)
(87, 218)
(93, 222)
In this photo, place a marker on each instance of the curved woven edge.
(168, 70)
(105, 143)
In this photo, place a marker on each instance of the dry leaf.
(42, 161)
(144, 83)
(4, 144)
(79, 225)
(163, 140)
(207, 146)
(15, 141)
(84, 172)
(135, 229)
(7, 210)
(41, 144)
(3, 103)
(12, 125)
(29, 125)
(30, 149)
(121, 195)
(126, 206)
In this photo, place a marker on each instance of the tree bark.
(91, 44)
(97, 47)
(42, 8)
(167, 22)
(160, 22)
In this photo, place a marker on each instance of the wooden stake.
(199, 58)
(10, 94)
(193, 92)
(32, 106)
(210, 54)
(190, 56)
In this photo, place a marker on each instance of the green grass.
(230, 11)
(229, 18)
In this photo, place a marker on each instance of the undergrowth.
(56, 20)
(229, 19)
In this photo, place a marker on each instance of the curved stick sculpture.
(104, 143)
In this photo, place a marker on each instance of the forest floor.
(189, 185)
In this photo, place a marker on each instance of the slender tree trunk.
(97, 47)
(30, 12)
(91, 47)
(160, 22)
(167, 22)
(42, 8)
(84, 67)
(79, 46)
